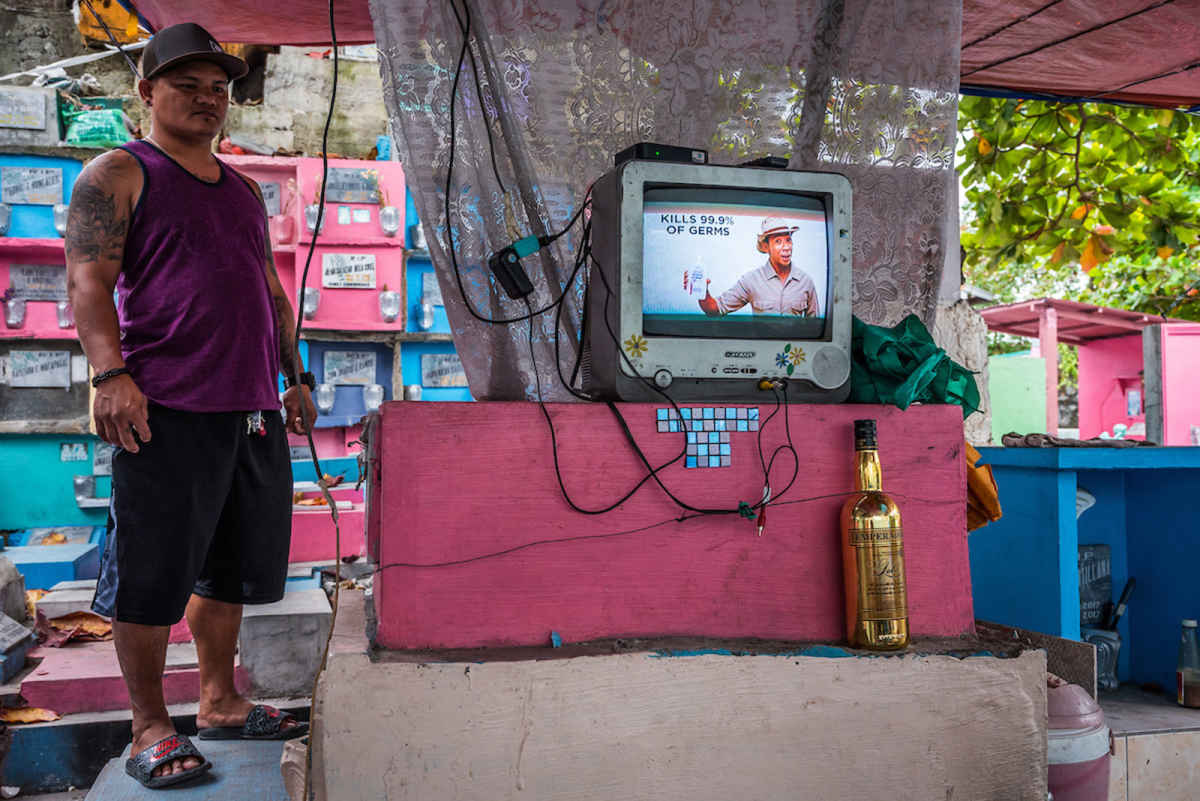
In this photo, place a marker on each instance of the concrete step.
(246, 771)
(57, 603)
(86, 677)
(71, 752)
(280, 644)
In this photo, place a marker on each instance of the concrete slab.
(46, 565)
(1131, 710)
(704, 726)
(79, 584)
(241, 770)
(57, 603)
(280, 644)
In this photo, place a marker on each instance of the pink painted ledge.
(313, 536)
(459, 481)
(86, 677)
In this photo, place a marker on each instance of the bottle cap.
(864, 435)
(1189, 624)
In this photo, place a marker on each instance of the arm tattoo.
(271, 260)
(287, 328)
(95, 228)
(283, 309)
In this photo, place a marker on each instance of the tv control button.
(663, 378)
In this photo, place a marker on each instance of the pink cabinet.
(359, 252)
(34, 273)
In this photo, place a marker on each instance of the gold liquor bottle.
(873, 554)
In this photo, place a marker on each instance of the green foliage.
(1083, 201)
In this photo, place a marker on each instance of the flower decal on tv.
(789, 358)
(636, 346)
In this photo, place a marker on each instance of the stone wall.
(296, 99)
(961, 332)
(44, 31)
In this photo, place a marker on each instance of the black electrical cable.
(639, 530)
(136, 75)
(308, 424)
(465, 27)
(554, 443)
(654, 471)
(582, 256)
(1017, 21)
(1140, 81)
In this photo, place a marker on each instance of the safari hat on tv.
(772, 226)
(187, 41)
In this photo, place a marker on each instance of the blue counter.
(1024, 567)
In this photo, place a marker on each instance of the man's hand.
(709, 304)
(120, 410)
(292, 399)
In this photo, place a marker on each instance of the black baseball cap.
(186, 42)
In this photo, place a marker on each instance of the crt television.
(706, 280)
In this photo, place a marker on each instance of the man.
(185, 366)
(774, 288)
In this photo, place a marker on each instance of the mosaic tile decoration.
(708, 430)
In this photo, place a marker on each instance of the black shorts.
(204, 507)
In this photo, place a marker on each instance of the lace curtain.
(866, 88)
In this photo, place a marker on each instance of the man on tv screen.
(776, 287)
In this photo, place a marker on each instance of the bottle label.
(868, 536)
(879, 553)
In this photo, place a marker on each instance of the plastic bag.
(100, 128)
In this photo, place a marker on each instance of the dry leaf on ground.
(31, 599)
(27, 714)
(88, 622)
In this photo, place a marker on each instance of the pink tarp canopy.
(1077, 322)
(1138, 51)
(276, 22)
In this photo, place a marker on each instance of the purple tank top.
(198, 325)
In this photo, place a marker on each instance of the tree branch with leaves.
(1052, 189)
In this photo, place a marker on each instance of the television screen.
(734, 263)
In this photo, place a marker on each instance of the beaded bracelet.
(107, 374)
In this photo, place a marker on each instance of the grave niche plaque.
(12, 634)
(36, 186)
(22, 109)
(350, 185)
(1095, 584)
